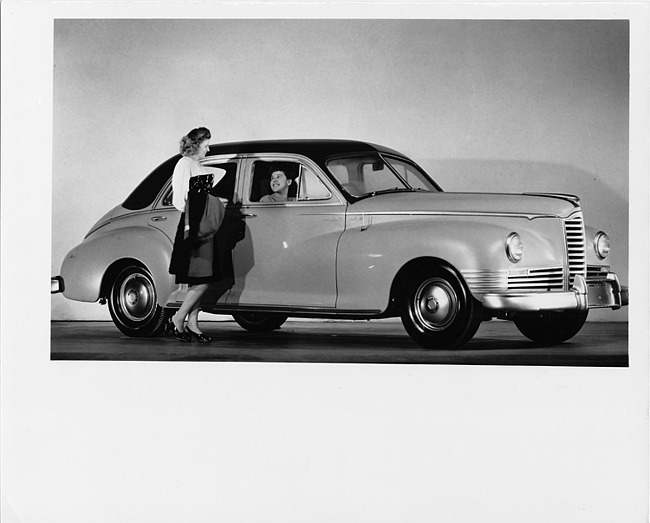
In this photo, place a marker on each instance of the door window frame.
(246, 180)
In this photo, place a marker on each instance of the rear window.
(145, 193)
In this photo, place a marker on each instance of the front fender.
(85, 266)
(369, 257)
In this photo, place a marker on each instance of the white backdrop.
(487, 105)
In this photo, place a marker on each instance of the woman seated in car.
(280, 184)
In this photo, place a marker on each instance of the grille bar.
(482, 281)
(596, 272)
(531, 279)
(547, 278)
(574, 233)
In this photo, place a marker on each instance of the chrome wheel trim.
(435, 304)
(136, 297)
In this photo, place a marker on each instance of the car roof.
(316, 149)
(319, 150)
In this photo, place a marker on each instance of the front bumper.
(602, 293)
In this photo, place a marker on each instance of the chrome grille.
(536, 279)
(482, 281)
(597, 272)
(525, 279)
(574, 234)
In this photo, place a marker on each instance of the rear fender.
(88, 269)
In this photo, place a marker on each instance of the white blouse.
(184, 170)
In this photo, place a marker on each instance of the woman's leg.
(193, 318)
(192, 298)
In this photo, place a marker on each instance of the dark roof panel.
(316, 149)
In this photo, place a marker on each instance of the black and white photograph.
(510, 203)
(325, 262)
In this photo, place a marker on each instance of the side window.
(167, 199)
(149, 189)
(260, 188)
(225, 187)
(310, 187)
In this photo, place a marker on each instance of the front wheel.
(133, 303)
(260, 322)
(552, 327)
(437, 309)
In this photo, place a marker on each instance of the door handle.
(158, 218)
(248, 215)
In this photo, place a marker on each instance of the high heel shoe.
(182, 336)
(201, 338)
(170, 328)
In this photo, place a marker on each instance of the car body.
(367, 234)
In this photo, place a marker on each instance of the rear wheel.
(133, 303)
(438, 310)
(260, 322)
(551, 327)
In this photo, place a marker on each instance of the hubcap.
(132, 298)
(137, 297)
(435, 304)
(432, 304)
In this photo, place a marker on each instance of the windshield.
(369, 174)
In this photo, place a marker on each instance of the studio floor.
(370, 342)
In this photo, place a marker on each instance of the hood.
(526, 205)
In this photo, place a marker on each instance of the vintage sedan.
(366, 234)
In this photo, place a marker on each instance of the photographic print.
(462, 184)
(324, 261)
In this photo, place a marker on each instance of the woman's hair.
(191, 141)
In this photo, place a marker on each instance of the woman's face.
(279, 182)
(203, 149)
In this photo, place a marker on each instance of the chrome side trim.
(571, 198)
(99, 226)
(296, 312)
(528, 216)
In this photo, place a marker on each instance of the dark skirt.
(192, 257)
(202, 251)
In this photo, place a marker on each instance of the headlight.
(601, 244)
(514, 247)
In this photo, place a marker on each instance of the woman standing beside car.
(193, 255)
